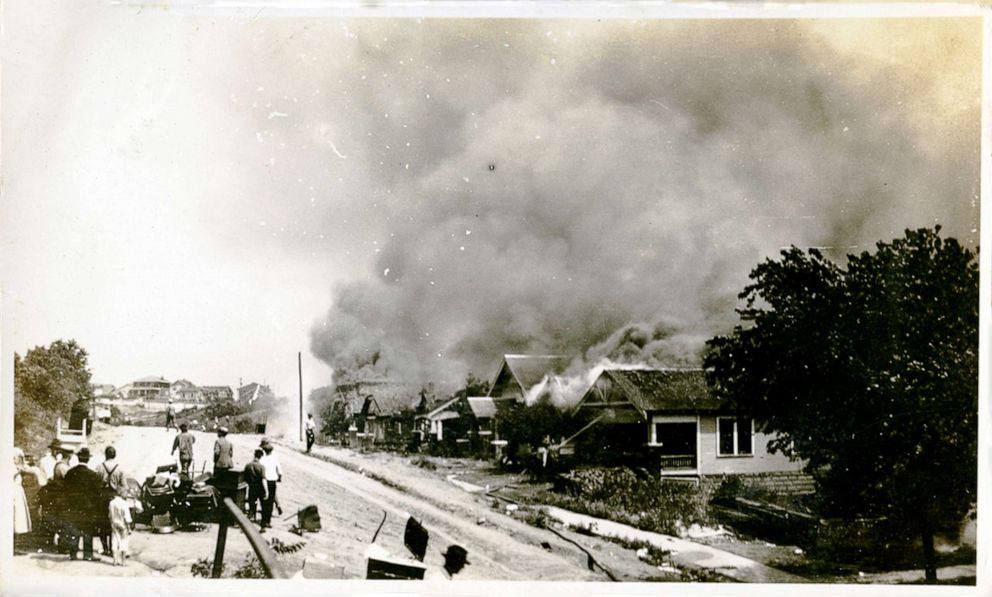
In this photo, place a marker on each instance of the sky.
(203, 196)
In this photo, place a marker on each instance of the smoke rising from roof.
(603, 191)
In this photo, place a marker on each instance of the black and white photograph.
(393, 296)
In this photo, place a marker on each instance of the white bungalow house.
(688, 432)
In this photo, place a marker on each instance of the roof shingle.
(665, 389)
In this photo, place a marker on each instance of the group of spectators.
(261, 474)
(72, 501)
(65, 498)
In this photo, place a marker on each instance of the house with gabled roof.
(254, 391)
(672, 417)
(435, 418)
(483, 409)
(183, 390)
(518, 374)
(382, 410)
(217, 393)
(461, 425)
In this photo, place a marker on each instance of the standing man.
(170, 416)
(113, 482)
(184, 443)
(110, 472)
(273, 475)
(85, 505)
(311, 431)
(48, 461)
(223, 452)
(254, 476)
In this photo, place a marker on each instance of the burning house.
(381, 411)
(669, 420)
(461, 425)
(519, 376)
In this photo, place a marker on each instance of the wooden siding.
(761, 461)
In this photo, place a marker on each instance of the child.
(120, 527)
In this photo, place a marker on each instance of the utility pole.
(299, 363)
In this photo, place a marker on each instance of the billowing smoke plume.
(604, 194)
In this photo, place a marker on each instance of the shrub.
(425, 463)
(637, 498)
(536, 517)
(202, 568)
(284, 548)
(250, 568)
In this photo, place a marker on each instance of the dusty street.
(351, 507)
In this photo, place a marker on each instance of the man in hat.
(223, 452)
(85, 504)
(51, 457)
(184, 443)
(273, 475)
(254, 476)
(170, 416)
(455, 558)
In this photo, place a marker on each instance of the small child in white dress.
(120, 528)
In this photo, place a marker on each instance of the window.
(735, 436)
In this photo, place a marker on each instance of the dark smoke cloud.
(602, 191)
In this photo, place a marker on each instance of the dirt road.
(351, 507)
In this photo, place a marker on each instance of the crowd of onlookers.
(64, 499)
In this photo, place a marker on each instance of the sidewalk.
(685, 554)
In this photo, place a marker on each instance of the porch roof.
(441, 412)
(482, 407)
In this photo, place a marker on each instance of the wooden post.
(221, 542)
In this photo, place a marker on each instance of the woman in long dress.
(22, 515)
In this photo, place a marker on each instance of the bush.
(425, 463)
(250, 567)
(202, 568)
(638, 498)
(536, 517)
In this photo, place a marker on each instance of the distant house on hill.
(669, 418)
(117, 397)
(104, 398)
(250, 393)
(102, 389)
(148, 387)
(217, 393)
(183, 390)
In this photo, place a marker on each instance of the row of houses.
(666, 418)
(155, 393)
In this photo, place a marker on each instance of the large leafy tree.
(47, 380)
(869, 372)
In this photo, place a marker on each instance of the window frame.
(655, 419)
(736, 453)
